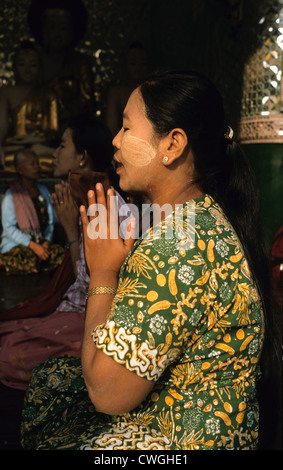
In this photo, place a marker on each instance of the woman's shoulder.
(43, 189)
(7, 194)
(190, 228)
(7, 204)
(42, 186)
(198, 217)
(209, 217)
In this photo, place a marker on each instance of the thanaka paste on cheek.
(137, 151)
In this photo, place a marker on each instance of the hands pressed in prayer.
(105, 250)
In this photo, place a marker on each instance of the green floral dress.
(188, 316)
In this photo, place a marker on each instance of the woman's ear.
(83, 158)
(173, 146)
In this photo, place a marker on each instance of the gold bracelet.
(101, 290)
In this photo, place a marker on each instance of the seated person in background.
(28, 221)
(135, 70)
(28, 111)
(85, 146)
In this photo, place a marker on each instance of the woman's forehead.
(67, 135)
(28, 157)
(135, 108)
(135, 103)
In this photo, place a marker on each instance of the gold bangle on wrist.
(100, 290)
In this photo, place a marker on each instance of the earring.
(165, 159)
(81, 163)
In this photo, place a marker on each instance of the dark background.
(214, 37)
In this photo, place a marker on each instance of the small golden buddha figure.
(28, 110)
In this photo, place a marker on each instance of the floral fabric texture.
(187, 315)
(22, 260)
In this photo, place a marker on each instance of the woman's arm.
(112, 388)
(68, 215)
(12, 231)
(9, 222)
(49, 230)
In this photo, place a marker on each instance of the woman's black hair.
(20, 156)
(93, 136)
(187, 100)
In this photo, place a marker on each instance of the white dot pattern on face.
(137, 151)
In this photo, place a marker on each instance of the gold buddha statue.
(28, 110)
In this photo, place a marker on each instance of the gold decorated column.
(261, 124)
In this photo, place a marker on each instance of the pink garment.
(26, 343)
(24, 208)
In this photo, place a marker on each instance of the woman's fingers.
(64, 192)
(58, 195)
(100, 194)
(84, 217)
(88, 214)
(112, 215)
(54, 198)
(97, 212)
(58, 192)
(101, 219)
(130, 234)
(92, 207)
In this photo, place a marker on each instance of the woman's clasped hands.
(105, 249)
(41, 249)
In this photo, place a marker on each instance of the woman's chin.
(123, 185)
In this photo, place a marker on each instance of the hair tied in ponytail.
(229, 134)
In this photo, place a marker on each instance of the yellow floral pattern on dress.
(187, 315)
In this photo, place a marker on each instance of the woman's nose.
(54, 154)
(117, 140)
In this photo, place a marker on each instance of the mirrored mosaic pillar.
(262, 99)
(261, 125)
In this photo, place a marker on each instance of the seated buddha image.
(28, 110)
(57, 27)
